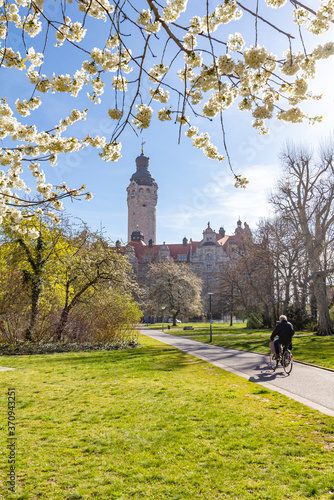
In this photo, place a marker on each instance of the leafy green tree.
(32, 251)
(57, 268)
(87, 265)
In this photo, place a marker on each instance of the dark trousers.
(278, 344)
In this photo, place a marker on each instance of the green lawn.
(199, 327)
(307, 347)
(154, 423)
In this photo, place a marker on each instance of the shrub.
(254, 322)
(28, 348)
(300, 319)
(109, 317)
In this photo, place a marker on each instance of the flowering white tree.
(176, 60)
(174, 287)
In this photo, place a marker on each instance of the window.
(209, 267)
(182, 257)
(197, 269)
(209, 256)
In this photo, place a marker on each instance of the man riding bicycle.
(284, 331)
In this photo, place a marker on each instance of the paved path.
(311, 386)
(4, 369)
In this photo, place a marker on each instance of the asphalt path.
(309, 385)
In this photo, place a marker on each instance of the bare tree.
(88, 265)
(229, 289)
(246, 283)
(304, 199)
(290, 267)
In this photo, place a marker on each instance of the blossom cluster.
(223, 14)
(100, 9)
(164, 114)
(220, 100)
(33, 144)
(145, 20)
(202, 141)
(73, 32)
(157, 72)
(25, 106)
(159, 94)
(111, 151)
(235, 42)
(115, 114)
(143, 116)
(173, 10)
(324, 16)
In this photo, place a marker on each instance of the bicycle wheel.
(273, 361)
(287, 362)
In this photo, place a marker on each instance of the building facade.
(206, 255)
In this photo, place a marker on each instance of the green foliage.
(254, 322)
(45, 279)
(300, 319)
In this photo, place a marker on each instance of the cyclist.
(284, 331)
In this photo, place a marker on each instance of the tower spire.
(142, 146)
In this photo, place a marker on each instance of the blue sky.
(192, 189)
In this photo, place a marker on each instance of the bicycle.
(285, 359)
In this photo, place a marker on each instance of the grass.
(307, 347)
(154, 423)
(198, 326)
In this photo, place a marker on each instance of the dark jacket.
(285, 332)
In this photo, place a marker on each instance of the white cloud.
(219, 202)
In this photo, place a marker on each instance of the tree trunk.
(62, 322)
(286, 295)
(36, 289)
(313, 304)
(320, 294)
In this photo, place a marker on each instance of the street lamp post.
(163, 308)
(210, 295)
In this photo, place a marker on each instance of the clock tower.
(142, 201)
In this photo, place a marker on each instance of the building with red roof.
(206, 255)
